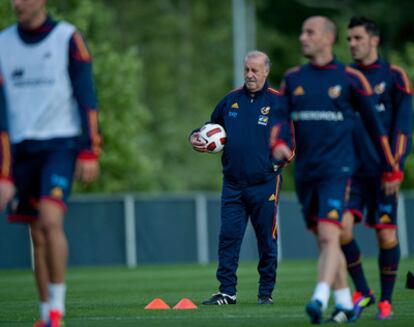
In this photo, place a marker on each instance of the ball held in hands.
(213, 136)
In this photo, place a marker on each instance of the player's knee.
(51, 225)
(327, 239)
(387, 238)
(328, 234)
(51, 216)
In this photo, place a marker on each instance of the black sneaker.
(341, 315)
(220, 299)
(265, 300)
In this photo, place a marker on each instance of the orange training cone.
(185, 304)
(157, 304)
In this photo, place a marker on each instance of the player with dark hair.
(322, 98)
(48, 132)
(393, 100)
(251, 177)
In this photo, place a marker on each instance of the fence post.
(279, 234)
(201, 229)
(130, 237)
(402, 226)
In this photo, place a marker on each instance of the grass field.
(116, 296)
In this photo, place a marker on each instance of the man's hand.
(391, 182)
(87, 170)
(198, 143)
(391, 187)
(281, 152)
(6, 193)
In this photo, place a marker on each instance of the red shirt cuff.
(87, 155)
(392, 176)
(277, 143)
(6, 179)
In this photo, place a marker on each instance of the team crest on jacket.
(380, 88)
(299, 91)
(265, 110)
(235, 105)
(263, 120)
(334, 91)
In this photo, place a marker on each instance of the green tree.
(162, 65)
(125, 119)
(187, 53)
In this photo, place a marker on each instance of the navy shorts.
(42, 170)
(323, 200)
(367, 198)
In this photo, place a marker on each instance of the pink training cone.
(157, 304)
(185, 304)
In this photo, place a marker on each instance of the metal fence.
(137, 229)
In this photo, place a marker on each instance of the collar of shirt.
(375, 65)
(257, 93)
(330, 65)
(37, 34)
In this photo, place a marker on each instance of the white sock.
(321, 293)
(343, 298)
(44, 311)
(57, 297)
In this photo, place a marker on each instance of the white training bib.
(38, 90)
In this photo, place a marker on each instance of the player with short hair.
(393, 101)
(322, 96)
(251, 178)
(48, 132)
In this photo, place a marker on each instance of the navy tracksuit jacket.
(393, 101)
(251, 180)
(322, 102)
(80, 72)
(393, 97)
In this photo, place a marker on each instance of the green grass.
(116, 296)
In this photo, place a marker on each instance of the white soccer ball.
(215, 136)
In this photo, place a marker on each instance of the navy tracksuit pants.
(238, 203)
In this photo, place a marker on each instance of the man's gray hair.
(257, 53)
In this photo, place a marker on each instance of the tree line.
(161, 66)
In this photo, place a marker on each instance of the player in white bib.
(48, 134)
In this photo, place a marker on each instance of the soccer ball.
(215, 136)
